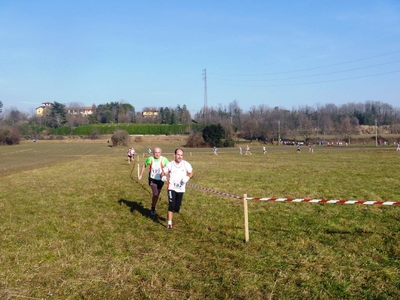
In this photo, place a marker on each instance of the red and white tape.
(298, 199)
(326, 201)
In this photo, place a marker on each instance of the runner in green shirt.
(156, 163)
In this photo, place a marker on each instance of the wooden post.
(138, 170)
(246, 218)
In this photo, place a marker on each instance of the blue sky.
(152, 53)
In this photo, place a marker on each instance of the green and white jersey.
(156, 166)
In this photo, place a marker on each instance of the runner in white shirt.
(179, 171)
(133, 152)
(129, 155)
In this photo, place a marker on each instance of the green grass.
(74, 224)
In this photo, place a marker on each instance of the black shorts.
(156, 185)
(174, 201)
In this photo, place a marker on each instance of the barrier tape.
(326, 201)
(297, 199)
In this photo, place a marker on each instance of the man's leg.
(154, 197)
(170, 215)
(171, 205)
(174, 207)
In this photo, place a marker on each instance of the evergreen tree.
(213, 134)
(57, 116)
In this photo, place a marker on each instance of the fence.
(296, 200)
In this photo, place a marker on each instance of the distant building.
(79, 110)
(150, 113)
(44, 109)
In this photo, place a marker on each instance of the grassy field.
(74, 224)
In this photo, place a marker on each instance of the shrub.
(229, 143)
(9, 136)
(195, 140)
(120, 137)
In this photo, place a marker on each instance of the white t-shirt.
(176, 173)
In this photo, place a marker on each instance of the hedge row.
(131, 128)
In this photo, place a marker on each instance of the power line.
(308, 69)
(315, 75)
(315, 82)
(339, 50)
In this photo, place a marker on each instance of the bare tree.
(75, 104)
(250, 128)
(186, 118)
(305, 127)
(346, 128)
(235, 113)
(14, 116)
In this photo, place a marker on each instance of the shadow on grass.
(138, 206)
(352, 232)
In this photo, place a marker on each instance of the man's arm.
(141, 173)
(164, 172)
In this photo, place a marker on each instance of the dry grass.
(75, 225)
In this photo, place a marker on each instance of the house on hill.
(85, 111)
(44, 109)
(150, 113)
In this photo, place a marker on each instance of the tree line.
(259, 122)
(263, 122)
